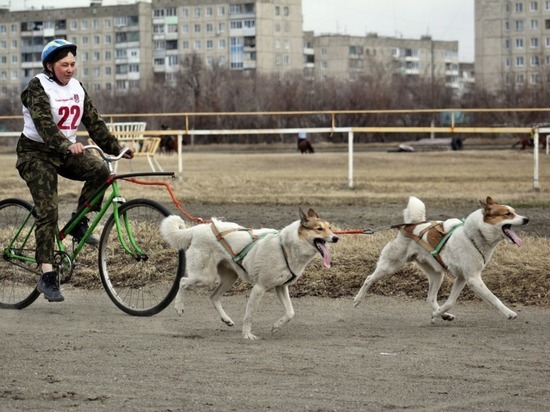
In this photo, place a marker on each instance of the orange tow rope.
(172, 195)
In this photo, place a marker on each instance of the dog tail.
(172, 229)
(415, 211)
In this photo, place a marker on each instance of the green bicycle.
(139, 270)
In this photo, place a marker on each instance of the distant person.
(54, 105)
(304, 145)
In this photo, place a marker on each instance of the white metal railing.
(350, 132)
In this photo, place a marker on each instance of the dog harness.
(436, 237)
(239, 256)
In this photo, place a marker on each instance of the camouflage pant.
(41, 177)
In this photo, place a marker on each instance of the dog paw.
(179, 309)
(448, 317)
(356, 302)
(249, 336)
(228, 322)
(512, 315)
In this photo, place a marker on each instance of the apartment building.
(350, 57)
(122, 48)
(512, 43)
(127, 47)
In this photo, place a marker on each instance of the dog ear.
(311, 213)
(488, 202)
(303, 217)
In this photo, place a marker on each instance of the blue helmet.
(51, 49)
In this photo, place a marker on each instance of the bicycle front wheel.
(139, 270)
(18, 270)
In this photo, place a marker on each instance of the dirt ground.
(85, 354)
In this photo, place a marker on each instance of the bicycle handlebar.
(104, 156)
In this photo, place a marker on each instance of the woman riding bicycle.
(54, 105)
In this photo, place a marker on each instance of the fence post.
(350, 158)
(536, 158)
(180, 158)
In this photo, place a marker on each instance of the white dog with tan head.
(223, 252)
(460, 248)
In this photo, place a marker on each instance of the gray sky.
(442, 19)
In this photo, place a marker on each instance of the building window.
(171, 11)
(185, 29)
(520, 78)
(208, 12)
(534, 61)
(519, 7)
(185, 12)
(277, 11)
(209, 44)
(84, 25)
(197, 44)
(534, 42)
(221, 44)
(534, 6)
(519, 43)
(286, 11)
(519, 61)
(221, 11)
(197, 28)
(534, 24)
(519, 25)
(197, 12)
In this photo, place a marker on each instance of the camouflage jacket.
(55, 146)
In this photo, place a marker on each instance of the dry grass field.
(257, 188)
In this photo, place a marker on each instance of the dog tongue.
(513, 237)
(326, 255)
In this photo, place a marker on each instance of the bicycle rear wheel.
(145, 281)
(18, 278)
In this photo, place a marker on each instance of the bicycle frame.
(113, 200)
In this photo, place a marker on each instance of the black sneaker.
(49, 286)
(80, 230)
